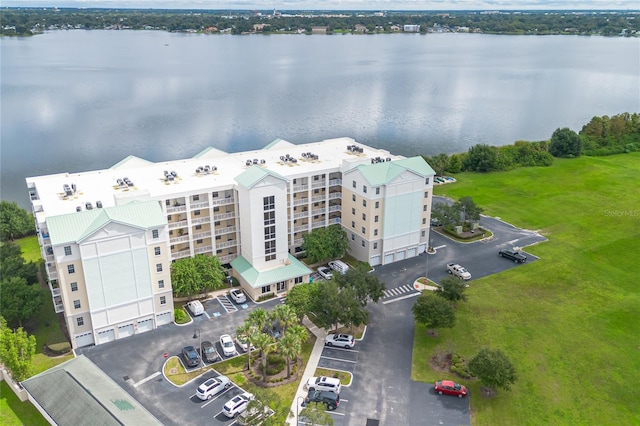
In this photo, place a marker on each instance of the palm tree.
(289, 346)
(259, 318)
(247, 332)
(301, 334)
(285, 315)
(264, 343)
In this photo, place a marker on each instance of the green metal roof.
(77, 392)
(74, 227)
(257, 279)
(255, 174)
(278, 142)
(129, 161)
(210, 152)
(383, 173)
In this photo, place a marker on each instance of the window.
(353, 237)
(353, 197)
(364, 188)
(214, 194)
(364, 203)
(316, 191)
(266, 289)
(426, 182)
(424, 221)
(375, 219)
(377, 204)
(71, 269)
(364, 230)
(377, 191)
(375, 246)
(158, 267)
(269, 232)
(74, 286)
(198, 227)
(167, 202)
(169, 217)
(375, 232)
(198, 241)
(163, 300)
(216, 209)
(364, 216)
(354, 184)
(269, 202)
(196, 212)
(422, 234)
(154, 233)
(269, 218)
(426, 194)
(281, 286)
(196, 197)
(353, 224)
(353, 210)
(67, 250)
(80, 321)
(156, 251)
(362, 243)
(298, 280)
(216, 223)
(424, 208)
(161, 284)
(76, 304)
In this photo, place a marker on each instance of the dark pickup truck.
(516, 256)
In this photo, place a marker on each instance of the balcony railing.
(177, 209)
(205, 219)
(300, 201)
(178, 224)
(337, 208)
(227, 244)
(301, 228)
(181, 254)
(201, 235)
(228, 258)
(222, 201)
(334, 220)
(318, 198)
(318, 224)
(334, 195)
(316, 212)
(180, 239)
(318, 185)
(199, 205)
(220, 231)
(57, 304)
(222, 216)
(205, 249)
(298, 241)
(301, 214)
(335, 182)
(300, 188)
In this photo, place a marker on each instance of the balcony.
(334, 220)
(300, 201)
(228, 229)
(57, 304)
(223, 216)
(205, 219)
(222, 201)
(298, 188)
(301, 214)
(177, 209)
(318, 185)
(318, 224)
(225, 244)
(181, 254)
(318, 198)
(301, 228)
(298, 241)
(199, 205)
(201, 235)
(180, 239)
(205, 249)
(228, 258)
(178, 224)
(335, 182)
(335, 195)
(336, 208)
(316, 212)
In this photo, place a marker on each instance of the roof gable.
(255, 174)
(385, 172)
(256, 279)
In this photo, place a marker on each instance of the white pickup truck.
(458, 271)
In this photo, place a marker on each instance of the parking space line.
(406, 296)
(146, 379)
(208, 317)
(216, 397)
(341, 349)
(337, 359)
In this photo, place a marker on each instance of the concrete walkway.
(309, 370)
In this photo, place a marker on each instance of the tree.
(19, 300)
(470, 210)
(452, 289)
(193, 275)
(433, 312)
(285, 315)
(439, 163)
(289, 346)
(15, 222)
(247, 331)
(259, 318)
(315, 414)
(325, 243)
(264, 343)
(366, 286)
(493, 368)
(565, 143)
(352, 312)
(12, 264)
(446, 214)
(17, 349)
(328, 305)
(481, 158)
(300, 298)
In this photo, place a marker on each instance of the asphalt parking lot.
(381, 390)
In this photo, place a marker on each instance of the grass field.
(569, 322)
(15, 412)
(30, 248)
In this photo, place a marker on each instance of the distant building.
(411, 28)
(109, 236)
(319, 29)
(359, 28)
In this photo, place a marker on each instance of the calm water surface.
(83, 100)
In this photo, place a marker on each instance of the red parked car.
(450, 388)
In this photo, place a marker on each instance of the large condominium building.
(109, 236)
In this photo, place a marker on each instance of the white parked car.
(328, 384)
(243, 343)
(237, 405)
(195, 307)
(212, 387)
(339, 266)
(228, 348)
(325, 272)
(343, 340)
(238, 295)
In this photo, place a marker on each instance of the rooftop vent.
(79, 208)
(262, 161)
(88, 206)
(248, 162)
(99, 204)
(67, 190)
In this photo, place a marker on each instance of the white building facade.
(108, 237)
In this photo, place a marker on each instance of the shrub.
(180, 316)
(266, 297)
(459, 366)
(275, 364)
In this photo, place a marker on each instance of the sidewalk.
(310, 369)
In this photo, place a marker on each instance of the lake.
(84, 100)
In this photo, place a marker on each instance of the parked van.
(195, 307)
(339, 266)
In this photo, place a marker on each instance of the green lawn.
(570, 322)
(30, 248)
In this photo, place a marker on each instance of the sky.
(373, 5)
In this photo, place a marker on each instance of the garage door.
(375, 260)
(411, 252)
(164, 318)
(84, 339)
(388, 258)
(106, 336)
(145, 325)
(125, 331)
(400, 255)
(422, 248)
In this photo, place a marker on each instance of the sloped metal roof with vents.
(257, 279)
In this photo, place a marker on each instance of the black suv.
(516, 256)
(330, 399)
